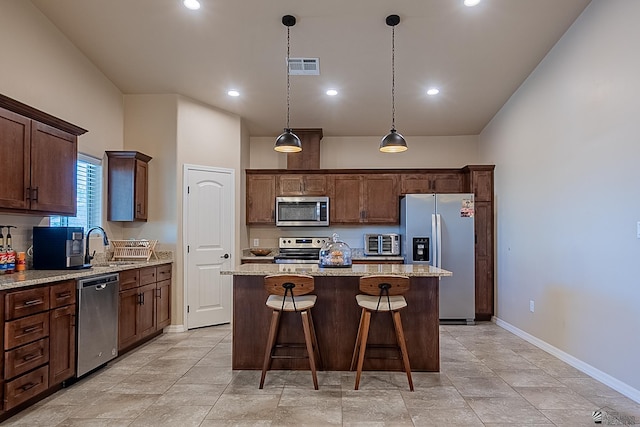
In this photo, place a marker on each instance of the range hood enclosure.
(309, 157)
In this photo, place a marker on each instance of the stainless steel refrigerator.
(437, 229)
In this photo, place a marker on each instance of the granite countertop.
(357, 254)
(410, 270)
(22, 279)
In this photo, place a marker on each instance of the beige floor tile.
(325, 414)
(483, 387)
(94, 422)
(374, 405)
(506, 410)
(191, 395)
(41, 416)
(443, 417)
(146, 383)
(115, 405)
(555, 398)
(528, 378)
(439, 397)
(570, 417)
(244, 407)
(171, 416)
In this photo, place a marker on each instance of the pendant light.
(393, 142)
(288, 142)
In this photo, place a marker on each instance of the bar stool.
(381, 293)
(290, 293)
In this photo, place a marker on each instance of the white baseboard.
(175, 328)
(595, 373)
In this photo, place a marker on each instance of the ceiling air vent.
(304, 66)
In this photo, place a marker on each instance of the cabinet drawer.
(63, 294)
(129, 279)
(25, 387)
(26, 330)
(147, 275)
(23, 303)
(163, 272)
(23, 359)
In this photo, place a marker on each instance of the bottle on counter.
(3, 253)
(11, 253)
(21, 261)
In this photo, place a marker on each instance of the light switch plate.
(638, 230)
(256, 242)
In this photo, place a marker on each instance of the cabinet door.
(484, 259)
(163, 303)
(54, 154)
(345, 205)
(261, 199)
(446, 182)
(147, 310)
(381, 202)
(15, 159)
(140, 191)
(302, 185)
(415, 184)
(482, 185)
(62, 344)
(127, 326)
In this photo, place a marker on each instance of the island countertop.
(357, 270)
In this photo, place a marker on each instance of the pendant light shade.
(288, 142)
(393, 142)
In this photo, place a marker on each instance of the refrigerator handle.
(439, 239)
(434, 242)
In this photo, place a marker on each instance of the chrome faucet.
(105, 241)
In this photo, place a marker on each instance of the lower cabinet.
(38, 340)
(145, 304)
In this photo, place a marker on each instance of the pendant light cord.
(393, 77)
(288, 84)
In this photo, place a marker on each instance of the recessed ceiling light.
(433, 91)
(191, 4)
(471, 3)
(332, 92)
(233, 92)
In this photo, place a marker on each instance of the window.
(89, 195)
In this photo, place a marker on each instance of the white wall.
(362, 153)
(41, 68)
(566, 149)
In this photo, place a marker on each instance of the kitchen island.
(336, 316)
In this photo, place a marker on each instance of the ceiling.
(476, 56)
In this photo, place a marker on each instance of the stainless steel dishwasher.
(97, 325)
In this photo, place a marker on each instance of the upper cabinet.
(302, 185)
(128, 174)
(38, 155)
(261, 199)
(432, 182)
(363, 198)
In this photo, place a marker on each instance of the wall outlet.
(638, 231)
(532, 306)
(256, 243)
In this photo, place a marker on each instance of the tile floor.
(488, 377)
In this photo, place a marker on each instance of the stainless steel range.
(299, 250)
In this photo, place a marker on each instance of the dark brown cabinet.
(38, 163)
(363, 198)
(261, 199)
(128, 175)
(302, 185)
(38, 154)
(38, 340)
(145, 306)
(62, 332)
(431, 182)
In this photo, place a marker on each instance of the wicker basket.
(134, 249)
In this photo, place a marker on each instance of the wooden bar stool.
(290, 293)
(381, 293)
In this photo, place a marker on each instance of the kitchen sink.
(115, 263)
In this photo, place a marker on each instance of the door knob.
(225, 256)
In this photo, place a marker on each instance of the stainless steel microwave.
(302, 211)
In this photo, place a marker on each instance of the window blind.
(89, 195)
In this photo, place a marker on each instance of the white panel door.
(209, 243)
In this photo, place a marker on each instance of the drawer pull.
(30, 329)
(33, 302)
(28, 386)
(29, 357)
(63, 295)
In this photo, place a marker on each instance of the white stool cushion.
(303, 302)
(370, 302)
